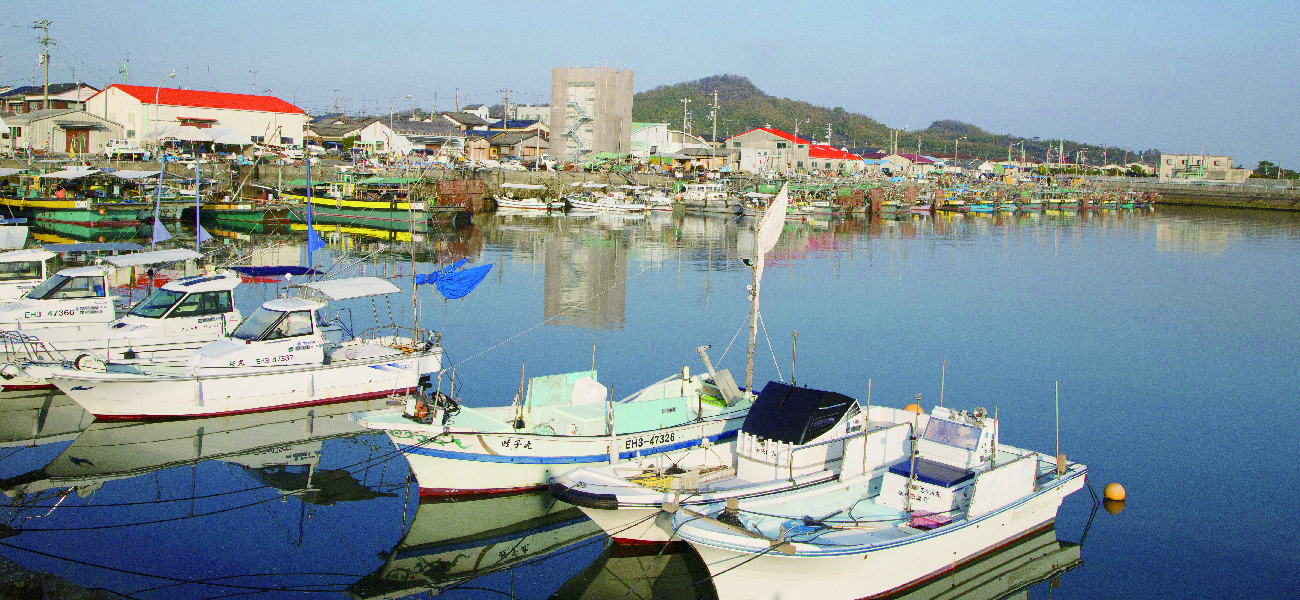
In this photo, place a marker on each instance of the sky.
(1184, 77)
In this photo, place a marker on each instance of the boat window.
(156, 304)
(295, 324)
(257, 324)
(203, 303)
(10, 271)
(952, 434)
(62, 287)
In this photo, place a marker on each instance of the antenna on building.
(126, 75)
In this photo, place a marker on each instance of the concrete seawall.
(1273, 195)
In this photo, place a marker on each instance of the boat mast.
(769, 231)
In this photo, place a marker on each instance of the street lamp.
(392, 103)
(955, 143)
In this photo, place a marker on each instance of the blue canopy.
(277, 270)
(452, 283)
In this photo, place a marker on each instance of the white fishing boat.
(921, 505)
(285, 354)
(22, 270)
(606, 203)
(70, 312)
(556, 423)
(792, 438)
(164, 329)
(508, 200)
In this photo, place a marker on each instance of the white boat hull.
(132, 396)
(156, 351)
(479, 463)
(881, 569)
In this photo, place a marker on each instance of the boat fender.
(9, 371)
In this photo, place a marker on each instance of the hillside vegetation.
(742, 106)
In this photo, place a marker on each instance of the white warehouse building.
(264, 119)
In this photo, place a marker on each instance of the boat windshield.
(157, 304)
(952, 434)
(27, 269)
(272, 324)
(62, 286)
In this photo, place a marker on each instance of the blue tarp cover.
(455, 284)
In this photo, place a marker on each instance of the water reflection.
(453, 541)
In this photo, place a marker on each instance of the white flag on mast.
(769, 229)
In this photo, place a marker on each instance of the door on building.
(78, 140)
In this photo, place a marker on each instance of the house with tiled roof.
(465, 120)
(524, 144)
(478, 110)
(769, 150)
(336, 128)
(143, 110)
(402, 137)
(518, 125)
(32, 97)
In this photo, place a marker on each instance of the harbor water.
(1171, 335)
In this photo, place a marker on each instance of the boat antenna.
(943, 377)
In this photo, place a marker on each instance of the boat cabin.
(76, 295)
(79, 295)
(294, 331)
(783, 433)
(953, 446)
(197, 305)
(22, 270)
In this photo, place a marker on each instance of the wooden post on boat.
(794, 355)
(519, 402)
(1060, 458)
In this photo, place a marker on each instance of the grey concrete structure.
(591, 111)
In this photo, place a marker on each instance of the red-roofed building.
(822, 157)
(765, 149)
(264, 119)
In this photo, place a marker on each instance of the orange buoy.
(916, 408)
(1114, 491)
(1113, 507)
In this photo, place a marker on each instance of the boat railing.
(16, 343)
(866, 432)
(401, 337)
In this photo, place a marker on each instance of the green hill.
(742, 106)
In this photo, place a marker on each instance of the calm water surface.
(1172, 334)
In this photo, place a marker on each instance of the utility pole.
(505, 106)
(713, 115)
(46, 42)
(254, 72)
(686, 116)
(126, 75)
(828, 133)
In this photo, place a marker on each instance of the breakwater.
(1268, 194)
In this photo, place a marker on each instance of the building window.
(256, 139)
(780, 145)
(799, 164)
(800, 146)
(1169, 161)
(1216, 163)
(130, 134)
(16, 132)
(285, 141)
(735, 144)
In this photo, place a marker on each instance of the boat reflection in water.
(670, 571)
(35, 417)
(280, 449)
(1010, 570)
(455, 540)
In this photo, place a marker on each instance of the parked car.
(124, 149)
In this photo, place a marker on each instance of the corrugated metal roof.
(201, 99)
